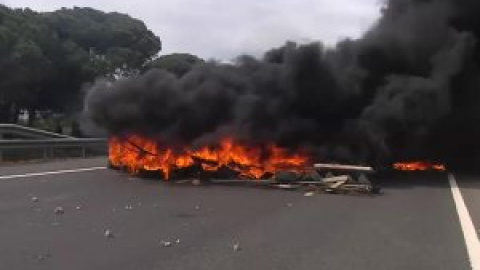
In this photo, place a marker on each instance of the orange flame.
(138, 153)
(418, 166)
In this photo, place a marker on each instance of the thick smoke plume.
(409, 88)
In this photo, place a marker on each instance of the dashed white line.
(469, 233)
(51, 172)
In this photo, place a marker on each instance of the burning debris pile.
(232, 163)
(232, 159)
(408, 89)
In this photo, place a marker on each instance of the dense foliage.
(46, 58)
(176, 63)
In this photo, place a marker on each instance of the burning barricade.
(231, 163)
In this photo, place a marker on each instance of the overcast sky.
(222, 29)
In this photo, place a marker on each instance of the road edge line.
(3, 177)
(468, 229)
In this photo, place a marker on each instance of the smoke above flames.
(409, 88)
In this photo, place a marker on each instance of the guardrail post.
(1, 152)
(45, 152)
(84, 151)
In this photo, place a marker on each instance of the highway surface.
(414, 224)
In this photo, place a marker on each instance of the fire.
(419, 166)
(138, 153)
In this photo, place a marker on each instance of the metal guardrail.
(44, 144)
(33, 133)
(48, 146)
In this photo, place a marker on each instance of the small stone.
(177, 241)
(196, 182)
(128, 207)
(109, 234)
(289, 204)
(197, 207)
(43, 257)
(236, 247)
(34, 199)
(309, 194)
(78, 207)
(166, 243)
(287, 186)
(59, 210)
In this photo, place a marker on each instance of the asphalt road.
(413, 225)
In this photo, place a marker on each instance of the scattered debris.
(197, 207)
(166, 243)
(34, 199)
(109, 234)
(289, 204)
(327, 178)
(128, 207)
(43, 257)
(309, 194)
(236, 247)
(287, 186)
(59, 210)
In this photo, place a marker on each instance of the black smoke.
(409, 88)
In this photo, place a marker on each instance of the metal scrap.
(166, 243)
(309, 194)
(109, 234)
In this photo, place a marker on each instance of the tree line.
(46, 58)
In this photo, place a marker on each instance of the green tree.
(46, 58)
(177, 63)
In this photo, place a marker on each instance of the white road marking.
(51, 172)
(469, 233)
